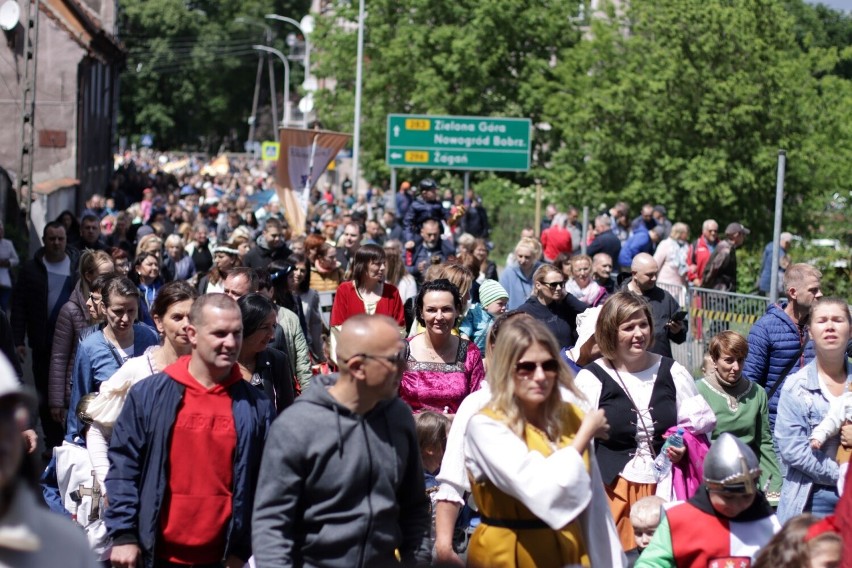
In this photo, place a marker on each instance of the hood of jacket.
(179, 371)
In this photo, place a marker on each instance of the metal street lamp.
(273, 51)
(306, 28)
(359, 72)
(274, 102)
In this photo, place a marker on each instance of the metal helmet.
(731, 466)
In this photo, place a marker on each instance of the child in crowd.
(645, 518)
(432, 429)
(493, 300)
(839, 412)
(804, 542)
(725, 523)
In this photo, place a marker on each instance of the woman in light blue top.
(810, 479)
(103, 352)
(517, 279)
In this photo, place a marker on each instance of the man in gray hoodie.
(341, 483)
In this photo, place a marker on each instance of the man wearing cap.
(725, 523)
(271, 245)
(721, 270)
(185, 452)
(403, 199)
(425, 207)
(765, 281)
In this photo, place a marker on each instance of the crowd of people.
(215, 386)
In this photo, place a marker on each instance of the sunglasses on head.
(526, 369)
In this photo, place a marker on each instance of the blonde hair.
(514, 340)
(532, 244)
(90, 260)
(145, 241)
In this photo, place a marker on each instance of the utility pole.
(28, 100)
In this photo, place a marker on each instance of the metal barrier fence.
(710, 312)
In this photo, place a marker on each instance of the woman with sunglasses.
(266, 368)
(170, 313)
(326, 274)
(531, 463)
(74, 317)
(442, 367)
(643, 395)
(102, 353)
(549, 304)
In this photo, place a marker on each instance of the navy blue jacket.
(773, 343)
(139, 451)
(419, 212)
(607, 242)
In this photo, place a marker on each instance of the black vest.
(613, 454)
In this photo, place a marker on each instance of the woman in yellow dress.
(529, 458)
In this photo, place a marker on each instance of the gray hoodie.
(340, 489)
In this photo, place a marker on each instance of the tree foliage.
(191, 69)
(683, 103)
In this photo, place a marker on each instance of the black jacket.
(273, 366)
(663, 307)
(606, 242)
(30, 318)
(559, 317)
(261, 255)
(419, 212)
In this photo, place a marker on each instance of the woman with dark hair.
(72, 227)
(74, 317)
(326, 274)
(121, 260)
(102, 353)
(170, 313)
(225, 259)
(442, 368)
(367, 292)
(299, 283)
(264, 367)
(290, 335)
(146, 273)
(643, 395)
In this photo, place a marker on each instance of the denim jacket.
(801, 408)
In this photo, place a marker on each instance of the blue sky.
(845, 5)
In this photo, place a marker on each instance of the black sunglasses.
(397, 359)
(526, 369)
(554, 286)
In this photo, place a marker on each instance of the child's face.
(730, 504)
(497, 307)
(643, 530)
(825, 554)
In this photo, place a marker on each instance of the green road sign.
(458, 142)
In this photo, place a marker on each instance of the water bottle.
(662, 463)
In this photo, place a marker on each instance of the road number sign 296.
(458, 142)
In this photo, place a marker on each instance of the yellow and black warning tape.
(718, 315)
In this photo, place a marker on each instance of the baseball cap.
(427, 184)
(735, 229)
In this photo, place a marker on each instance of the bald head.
(366, 334)
(644, 270)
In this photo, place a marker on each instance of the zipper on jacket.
(369, 493)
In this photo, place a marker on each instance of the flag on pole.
(303, 157)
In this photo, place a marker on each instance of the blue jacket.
(476, 323)
(773, 342)
(96, 361)
(139, 452)
(802, 408)
(609, 243)
(517, 285)
(419, 212)
(640, 241)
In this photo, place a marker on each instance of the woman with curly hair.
(805, 541)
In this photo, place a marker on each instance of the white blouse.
(693, 412)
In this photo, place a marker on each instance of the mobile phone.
(679, 315)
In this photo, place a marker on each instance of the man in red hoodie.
(185, 453)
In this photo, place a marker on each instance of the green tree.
(685, 103)
(191, 69)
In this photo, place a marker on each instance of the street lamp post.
(305, 27)
(283, 59)
(359, 71)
